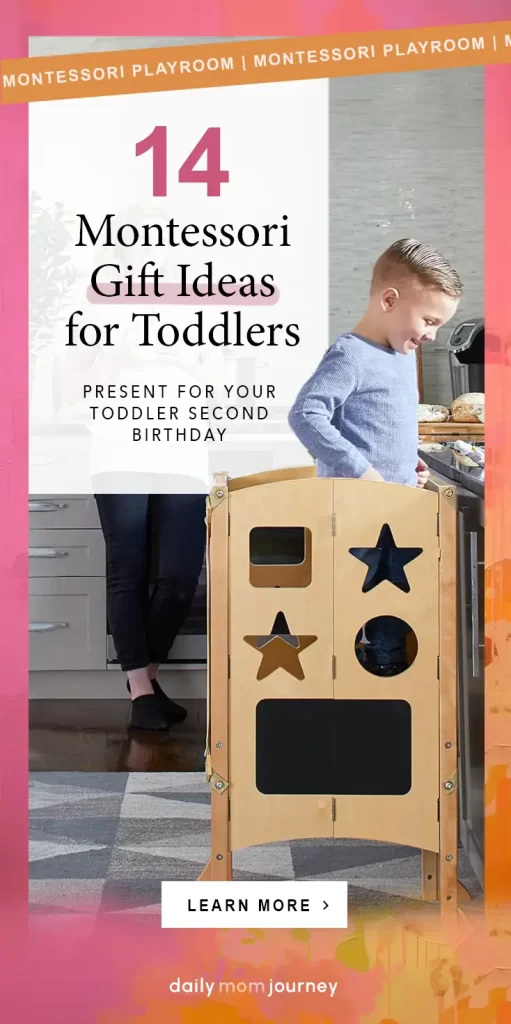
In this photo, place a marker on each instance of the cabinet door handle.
(46, 553)
(474, 591)
(46, 627)
(46, 506)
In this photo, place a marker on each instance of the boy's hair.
(409, 258)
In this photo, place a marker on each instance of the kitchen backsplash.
(407, 156)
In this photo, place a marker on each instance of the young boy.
(357, 414)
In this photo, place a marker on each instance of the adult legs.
(386, 643)
(181, 537)
(125, 523)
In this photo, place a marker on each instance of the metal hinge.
(438, 667)
(216, 495)
(228, 666)
(333, 523)
(334, 666)
(438, 810)
(438, 524)
(220, 785)
(229, 808)
(334, 809)
(451, 783)
(228, 524)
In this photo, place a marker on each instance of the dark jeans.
(144, 625)
(386, 644)
(386, 640)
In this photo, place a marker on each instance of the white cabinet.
(65, 553)
(74, 512)
(67, 587)
(67, 623)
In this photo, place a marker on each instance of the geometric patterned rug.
(104, 842)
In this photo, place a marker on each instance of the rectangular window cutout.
(280, 556)
(337, 747)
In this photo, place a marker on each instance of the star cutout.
(280, 649)
(386, 562)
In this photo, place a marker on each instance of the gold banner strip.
(203, 66)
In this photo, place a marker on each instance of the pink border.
(18, 20)
(13, 480)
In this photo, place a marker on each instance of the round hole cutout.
(386, 646)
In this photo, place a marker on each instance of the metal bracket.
(217, 495)
(218, 783)
(451, 783)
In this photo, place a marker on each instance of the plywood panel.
(271, 476)
(429, 876)
(219, 867)
(258, 818)
(316, 626)
(361, 509)
(448, 865)
(452, 430)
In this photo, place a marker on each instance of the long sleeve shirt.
(359, 410)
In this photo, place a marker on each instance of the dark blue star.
(386, 561)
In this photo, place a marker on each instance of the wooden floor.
(92, 736)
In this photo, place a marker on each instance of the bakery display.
(433, 414)
(467, 408)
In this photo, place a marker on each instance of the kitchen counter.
(446, 464)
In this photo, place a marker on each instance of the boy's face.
(413, 314)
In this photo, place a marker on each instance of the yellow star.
(280, 649)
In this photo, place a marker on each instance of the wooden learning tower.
(303, 740)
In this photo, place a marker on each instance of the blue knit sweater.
(359, 409)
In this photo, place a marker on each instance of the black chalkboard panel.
(340, 747)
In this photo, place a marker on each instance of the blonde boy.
(357, 414)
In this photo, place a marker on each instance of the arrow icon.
(325, 904)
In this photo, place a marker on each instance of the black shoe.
(387, 670)
(147, 713)
(174, 711)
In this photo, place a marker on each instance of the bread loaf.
(468, 408)
(433, 414)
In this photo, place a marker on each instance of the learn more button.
(254, 905)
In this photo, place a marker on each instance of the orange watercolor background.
(498, 495)
(389, 969)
